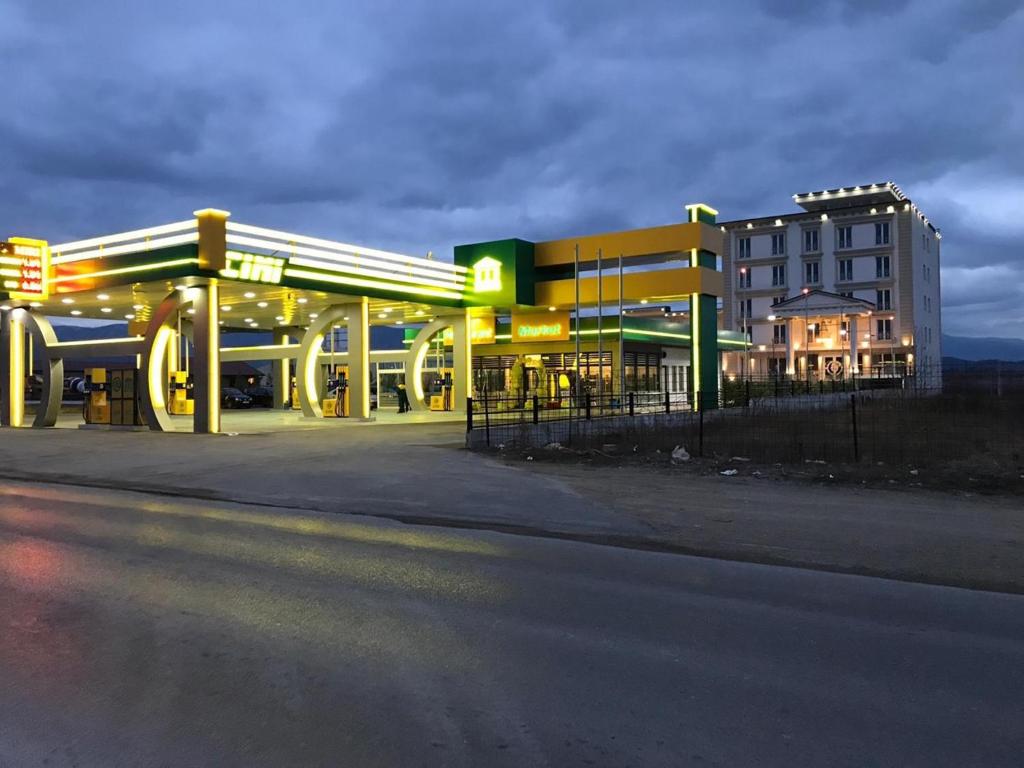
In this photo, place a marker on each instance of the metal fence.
(977, 419)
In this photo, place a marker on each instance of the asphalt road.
(144, 630)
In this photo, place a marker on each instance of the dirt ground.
(895, 522)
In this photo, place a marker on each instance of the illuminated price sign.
(25, 268)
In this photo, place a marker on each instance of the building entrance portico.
(821, 335)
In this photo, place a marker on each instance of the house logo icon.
(487, 275)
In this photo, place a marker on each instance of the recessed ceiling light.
(383, 315)
(180, 287)
(102, 297)
(226, 308)
(249, 295)
(345, 318)
(420, 313)
(552, 309)
(191, 311)
(138, 306)
(76, 312)
(36, 304)
(247, 320)
(398, 322)
(302, 300)
(279, 318)
(220, 322)
(262, 305)
(106, 310)
(313, 315)
(643, 301)
(129, 317)
(67, 301)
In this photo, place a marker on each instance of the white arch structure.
(462, 360)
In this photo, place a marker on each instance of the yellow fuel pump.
(180, 402)
(337, 404)
(296, 405)
(441, 400)
(97, 402)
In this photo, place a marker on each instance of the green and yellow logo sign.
(253, 267)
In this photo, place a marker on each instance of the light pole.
(743, 315)
(807, 340)
(775, 363)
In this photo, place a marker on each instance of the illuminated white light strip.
(10, 260)
(447, 277)
(300, 261)
(90, 342)
(355, 281)
(288, 237)
(116, 250)
(386, 271)
(137, 234)
(126, 270)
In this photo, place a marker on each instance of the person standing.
(403, 398)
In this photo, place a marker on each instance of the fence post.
(586, 402)
(853, 418)
(487, 420)
(668, 402)
(821, 387)
(748, 393)
(536, 409)
(776, 386)
(469, 414)
(700, 440)
(632, 411)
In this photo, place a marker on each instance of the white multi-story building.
(847, 287)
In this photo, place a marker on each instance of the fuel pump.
(96, 407)
(336, 403)
(181, 402)
(441, 398)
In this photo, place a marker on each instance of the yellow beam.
(657, 285)
(673, 238)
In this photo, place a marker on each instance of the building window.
(810, 241)
(779, 274)
(845, 237)
(744, 275)
(846, 294)
(778, 299)
(881, 266)
(845, 270)
(812, 272)
(745, 307)
(779, 333)
(743, 247)
(883, 330)
(883, 299)
(779, 244)
(882, 233)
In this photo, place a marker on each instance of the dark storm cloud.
(416, 126)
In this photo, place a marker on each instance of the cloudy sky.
(413, 126)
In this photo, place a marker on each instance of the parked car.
(234, 398)
(262, 397)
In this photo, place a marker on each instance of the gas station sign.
(25, 267)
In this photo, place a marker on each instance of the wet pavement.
(145, 630)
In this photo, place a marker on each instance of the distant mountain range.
(985, 348)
